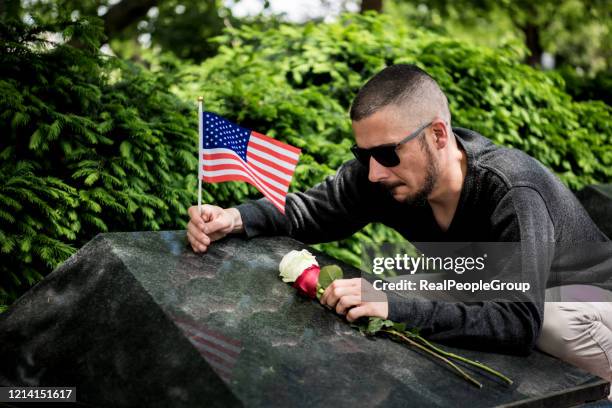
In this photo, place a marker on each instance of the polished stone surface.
(138, 319)
(597, 200)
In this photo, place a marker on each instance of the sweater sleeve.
(333, 209)
(503, 326)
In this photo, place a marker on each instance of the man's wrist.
(236, 220)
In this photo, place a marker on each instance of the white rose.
(294, 263)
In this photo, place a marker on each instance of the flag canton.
(220, 133)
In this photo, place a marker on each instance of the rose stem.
(447, 361)
(466, 360)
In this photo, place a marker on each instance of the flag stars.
(222, 134)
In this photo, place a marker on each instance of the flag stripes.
(219, 351)
(269, 163)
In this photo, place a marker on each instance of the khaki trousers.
(578, 329)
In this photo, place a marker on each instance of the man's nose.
(377, 172)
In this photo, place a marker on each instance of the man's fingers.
(346, 282)
(217, 235)
(335, 291)
(196, 245)
(347, 302)
(216, 225)
(193, 211)
(325, 298)
(206, 226)
(373, 309)
(196, 217)
(338, 288)
(208, 212)
(326, 294)
(357, 312)
(197, 234)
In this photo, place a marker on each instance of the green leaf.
(400, 327)
(92, 178)
(329, 274)
(375, 324)
(54, 130)
(36, 139)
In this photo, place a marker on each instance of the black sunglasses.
(385, 154)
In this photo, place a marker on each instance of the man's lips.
(391, 186)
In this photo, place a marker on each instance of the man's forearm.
(333, 209)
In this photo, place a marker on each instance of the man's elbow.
(524, 341)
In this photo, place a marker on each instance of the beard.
(419, 198)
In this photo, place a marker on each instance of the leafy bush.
(92, 144)
(584, 87)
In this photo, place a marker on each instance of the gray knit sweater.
(506, 196)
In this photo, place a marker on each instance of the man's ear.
(440, 134)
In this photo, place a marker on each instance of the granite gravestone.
(138, 319)
(597, 200)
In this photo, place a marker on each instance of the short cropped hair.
(399, 85)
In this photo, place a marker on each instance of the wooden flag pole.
(200, 158)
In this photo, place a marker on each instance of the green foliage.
(576, 32)
(92, 144)
(584, 88)
(375, 324)
(296, 83)
(37, 215)
(180, 27)
(89, 144)
(183, 27)
(518, 106)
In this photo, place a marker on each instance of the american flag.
(229, 152)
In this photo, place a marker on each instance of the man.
(441, 184)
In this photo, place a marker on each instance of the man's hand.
(214, 223)
(345, 295)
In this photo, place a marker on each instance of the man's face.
(414, 178)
